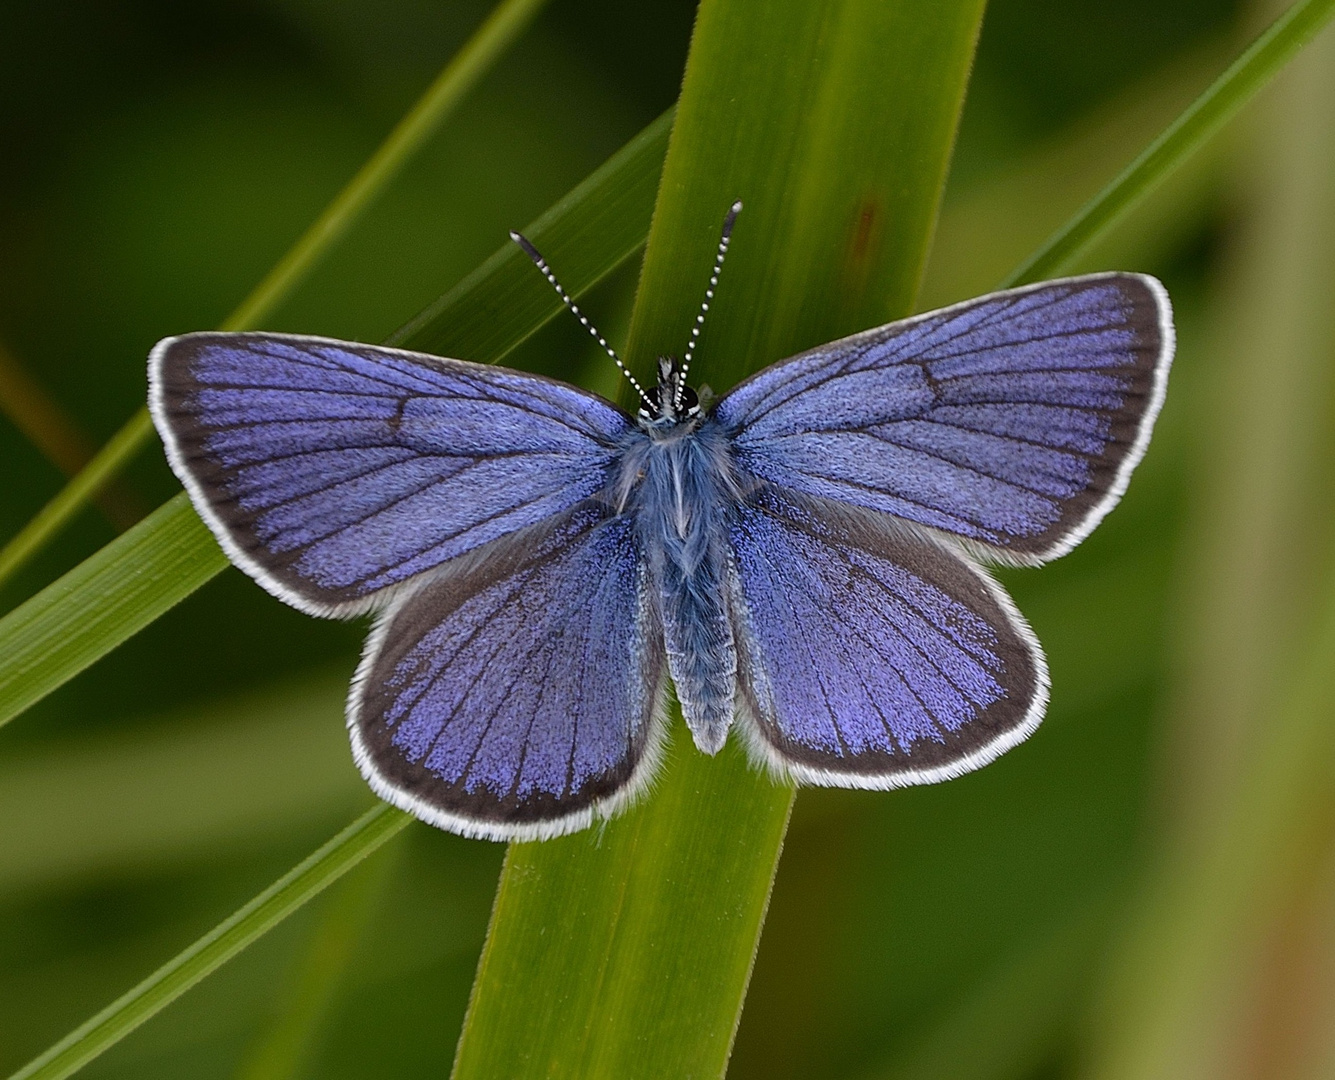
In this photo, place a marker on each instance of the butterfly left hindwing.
(518, 697)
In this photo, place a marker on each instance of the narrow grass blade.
(458, 77)
(1235, 913)
(112, 595)
(1205, 116)
(87, 483)
(286, 1047)
(627, 952)
(210, 952)
(990, 224)
(57, 435)
(102, 601)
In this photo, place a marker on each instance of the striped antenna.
(541, 264)
(724, 240)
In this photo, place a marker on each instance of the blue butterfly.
(801, 557)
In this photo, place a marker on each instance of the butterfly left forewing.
(869, 655)
(334, 472)
(1012, 421)
(519, 697)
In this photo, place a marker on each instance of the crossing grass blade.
(304, 881)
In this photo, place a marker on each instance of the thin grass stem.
(304, 881)
(1239, 83)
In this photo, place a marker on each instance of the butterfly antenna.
(724, 240)
(541, 264)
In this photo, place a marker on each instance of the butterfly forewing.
(518, 697)
(1012, 421)
(870, 655)
(334, 471)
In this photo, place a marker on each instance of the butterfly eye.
(650, 408)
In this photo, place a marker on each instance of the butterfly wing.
(1012, 421)
(332, 471)
(869, 655)
(517, 697)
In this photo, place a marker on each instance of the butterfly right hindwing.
(870, 655)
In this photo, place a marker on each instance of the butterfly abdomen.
(679, 502)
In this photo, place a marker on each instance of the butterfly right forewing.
(1012, 421)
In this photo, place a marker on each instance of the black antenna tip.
(529, 249)
(728, 221)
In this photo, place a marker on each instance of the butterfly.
(802, 557)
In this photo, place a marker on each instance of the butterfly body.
(800, 558)
(677, 479)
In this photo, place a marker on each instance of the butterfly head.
(671, 402)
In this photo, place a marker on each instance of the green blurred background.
(1144, 889)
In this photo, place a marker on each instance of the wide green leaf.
(626, 952)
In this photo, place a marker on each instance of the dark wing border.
(1098, 510)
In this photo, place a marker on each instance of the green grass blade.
(84, 486)
(285, 1049)
(626, 953)
(1205, 116)
(102, 601)
(115, 593)
(286, 895)
(487, 45)
(496, 34)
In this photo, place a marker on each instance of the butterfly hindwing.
(1012, 421)
(332, 471)
(870, 655)
(518, 697)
